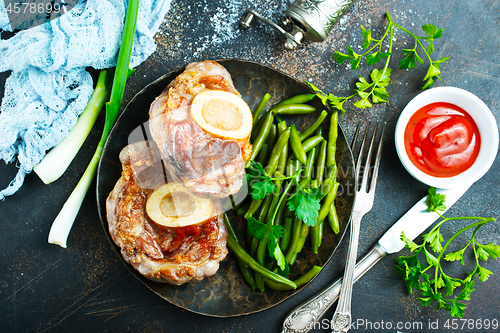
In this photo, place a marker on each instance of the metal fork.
(363, 203)
(304, 317)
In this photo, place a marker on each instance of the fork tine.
(359, 160)
(354, 142)
(377, 160)
(366, 170)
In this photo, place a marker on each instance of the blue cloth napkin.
(49, 86)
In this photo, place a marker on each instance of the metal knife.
(413, 223)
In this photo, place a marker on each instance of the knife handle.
(303, 317)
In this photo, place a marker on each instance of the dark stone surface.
(86, 286)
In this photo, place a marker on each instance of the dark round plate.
(226, 294)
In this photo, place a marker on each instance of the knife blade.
(415, 221)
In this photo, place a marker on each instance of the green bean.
(264, 209)
(317, 235)
(260, 107)
(333, 219)
(241, 197)
(243, 255)
(296, 145)
(252, 209)
(304, 182)
(265, 151)
(293, 109)
(310, 130)
(328, 201)
(254, 245)
(261, 217)
(297, 228)
(317, 229)
(287, 233)
(311, 156)
(263, 154)
(297, 99)
(261, 257)
(255, 129)
(273, 135)
(332, 140)
(283, 158)
(312, 142)
(280, 215)
(246, 271)
(281, 125)
(284, 152)
(331, 172)
(241, 211)
(274, 158)
(267, 213)
(293, 258)
(296, 167)
(275, 199)
(288, 212)
(299, 282)
(262, 136)
(289, 169)
(320, 164)
(302, 238)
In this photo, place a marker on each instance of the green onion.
(64, 221)
(57, 160)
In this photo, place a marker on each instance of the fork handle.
(341, 321)
(303, 318)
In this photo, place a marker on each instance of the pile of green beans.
(283, 151)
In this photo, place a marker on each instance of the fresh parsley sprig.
(305, 203)
(373, 90)
(429, 285)
(258, 229)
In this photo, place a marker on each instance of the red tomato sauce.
(442, 140)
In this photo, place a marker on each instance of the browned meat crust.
(207, 165)
(163, 254)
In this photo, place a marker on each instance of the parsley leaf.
(409, 243)
(275, 250)
(411, 59)
(367, 37)
(435, 201)
(491, 250)
(432, 31)
(373, 54)
(334, 101)
(413, 270)
(457, 310)
(306, 204)
(260, 183)
(459, 255)
(340, 58)
(434, 238)
(256, 228)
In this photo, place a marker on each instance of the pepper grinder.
(312, 19)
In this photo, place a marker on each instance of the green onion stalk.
(64, 221)
(58, 159)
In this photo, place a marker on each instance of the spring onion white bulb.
(61, 227)
(58, 159)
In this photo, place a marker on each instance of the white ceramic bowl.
(485, 122)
